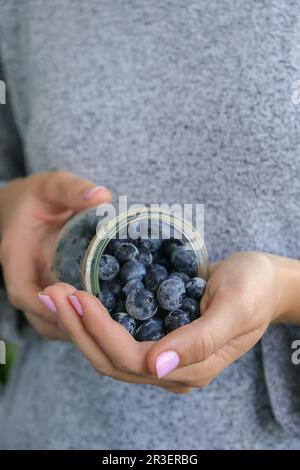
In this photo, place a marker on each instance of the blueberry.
(185, 278)
(126, 252)
(107, 299)
(176, 319)
(141, 304)
(195, 287)
(113, 245)
(171, 293)
(145, 257)
(156, 257)
(161, 313)
(150, 244)
(120, 307)
(184, 260)
(126, 321)
(155, 276)
(69, 272)
(192, 307)
(132, 285)
(163, 262)
(150, 330)
(108, 267)
(169, 246)
(132, 270)
(115, 287)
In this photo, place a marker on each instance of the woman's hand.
(32, 212)
(244, 294)
(109, 348)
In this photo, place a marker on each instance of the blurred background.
(5, 369)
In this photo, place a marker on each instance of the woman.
(164, 102)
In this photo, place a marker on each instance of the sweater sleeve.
(282, 375)
(11, 166)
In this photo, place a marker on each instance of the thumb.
(195, 342)
(68, 191)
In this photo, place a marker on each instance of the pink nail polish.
(48, 302)
(91, 191)
(166, 362)
(76, 304)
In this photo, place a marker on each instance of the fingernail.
(48, 302)
(76, 304)
(166, 362)
(91, 191)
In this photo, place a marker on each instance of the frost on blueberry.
(195, 287)
(184, 260)
(171, 293)
(126, 252)
(145, 257)
(141, 304)
(126, 321)
(192, 307)
(150, 330)
(132, 285)
(184, 277)
(149, 244)
(132, 270)
(108, 267)
(113, 245)
(108, 300)
(176, 319)
(155, 276)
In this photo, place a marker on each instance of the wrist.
(288, 285)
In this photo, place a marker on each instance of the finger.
(196, 341)
(21, 278)
(201, 374)
(180, 390)
(126, 354)
(72, 192)
(46, 329)
(212, 267)
(74, 327)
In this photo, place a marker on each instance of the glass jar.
(85, 237)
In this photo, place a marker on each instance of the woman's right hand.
(32, 212)
(109, 348)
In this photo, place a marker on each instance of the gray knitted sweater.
(165, 101)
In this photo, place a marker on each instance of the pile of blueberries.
(150, 286)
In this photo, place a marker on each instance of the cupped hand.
(244, 294)
(108, 347)
(32, 212)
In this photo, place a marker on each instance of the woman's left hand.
(244, 294)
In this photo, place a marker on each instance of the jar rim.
(90, 264)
